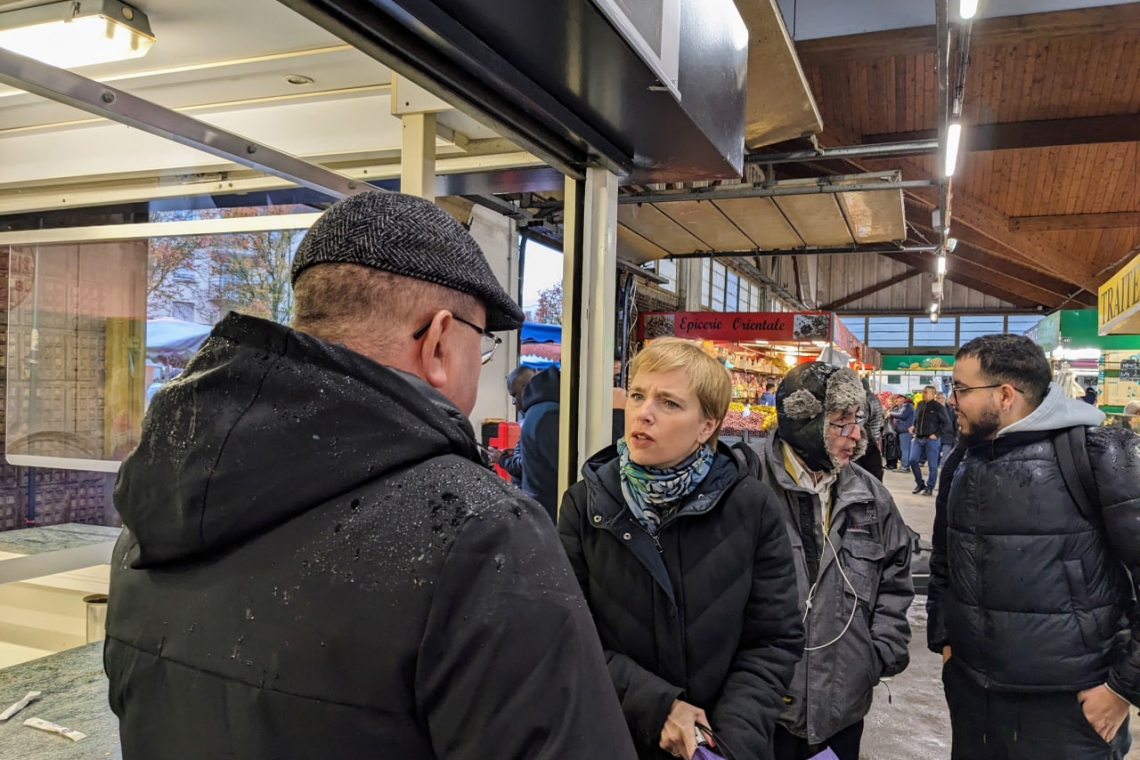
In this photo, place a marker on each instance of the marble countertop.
(74, 696)
(54, 538)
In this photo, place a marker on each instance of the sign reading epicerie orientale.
(710, 325)
(1119, 302)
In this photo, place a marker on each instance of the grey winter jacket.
(832, 686)
(874, 417)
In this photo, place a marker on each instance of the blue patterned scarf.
(653, 494)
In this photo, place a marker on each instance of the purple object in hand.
(827, 754)
(706, 753)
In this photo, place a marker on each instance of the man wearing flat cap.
(317, 562)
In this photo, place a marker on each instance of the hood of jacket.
(805, 396)
(1056, 412)
(267, 423)
(545, 386)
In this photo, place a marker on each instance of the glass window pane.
(1019, 324)
(940, 333)
(718, 287)
(732, 292)
(975, 326)
(888, 332)
(706, 281)
(667, 268)
(857, 326)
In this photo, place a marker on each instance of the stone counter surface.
(74, 695)
(54, 538)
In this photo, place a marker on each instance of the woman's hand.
(679, 735)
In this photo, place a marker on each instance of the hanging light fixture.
(953, 138)
(942, 264)
(967, 9)
(77, 32)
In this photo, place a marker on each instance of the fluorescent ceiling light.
(934, 308)
(941, 265)
(967, 9)
(933, 317)
(80, 33)
(953, 138)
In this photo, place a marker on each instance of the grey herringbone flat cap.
(408, 236)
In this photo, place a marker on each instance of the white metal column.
(589, 293)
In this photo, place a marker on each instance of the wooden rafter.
(870, 290)
(1020, 135)
(989, 224)
(1109, 221)
(1004, 288)
(832, 51)
(968, 251)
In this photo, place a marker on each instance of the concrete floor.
(915, 723)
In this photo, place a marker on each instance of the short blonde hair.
(708, 379)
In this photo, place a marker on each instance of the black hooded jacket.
(539, 436)
(707, 613)
(1030, 594)
(318, 564)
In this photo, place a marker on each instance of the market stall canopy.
(537, 332)
(173, 340)
(797, 215)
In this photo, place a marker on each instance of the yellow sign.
(1119, 302)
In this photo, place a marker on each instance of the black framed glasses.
(847, 429)
(958, 390)
(488, 341)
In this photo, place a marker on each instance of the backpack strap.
(1076, 469)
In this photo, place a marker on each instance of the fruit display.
(759, 420)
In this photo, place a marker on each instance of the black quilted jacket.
(712, 617)
(1030, 594)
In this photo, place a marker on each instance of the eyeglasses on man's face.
(958, 390)
(488, 342)
(847, 429)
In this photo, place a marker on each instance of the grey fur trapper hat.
(411, 237)
(803, 399)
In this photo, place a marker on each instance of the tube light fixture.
(934, 308)
(941, 265)
(967, 9)
(77, 33)
(953, 138)
(951, 244)
(933, 317)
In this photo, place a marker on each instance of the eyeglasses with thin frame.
(488, 341)
(958, 390)
(847, 429)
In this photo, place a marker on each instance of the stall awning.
(649, 231)
(536, 332)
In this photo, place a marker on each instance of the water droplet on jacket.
(500, 560)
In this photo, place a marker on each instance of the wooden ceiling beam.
(1005, 288)
(967, 251)
(1110, 221)
(870, 290)
(1022, 135)
(833, 51)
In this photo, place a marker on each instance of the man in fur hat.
(852, 555)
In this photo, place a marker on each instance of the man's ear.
(433, 350)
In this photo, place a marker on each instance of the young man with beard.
(852, 554)
(1031, 604)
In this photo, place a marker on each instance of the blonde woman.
(686, 566)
